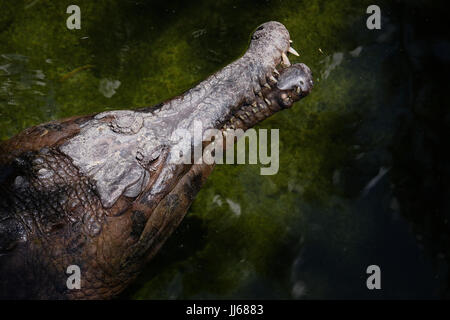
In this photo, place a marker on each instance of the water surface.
(363, 177)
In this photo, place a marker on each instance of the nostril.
(301, 82)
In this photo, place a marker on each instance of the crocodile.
(102, 192)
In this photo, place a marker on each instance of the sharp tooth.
(267, 101)
(255, 110)
(285, 59)
(290, 41)
(247, 113)
(254, 104)
(292, 50)
(273, 79)
(276, 71)
(241, 117)
(260, 94)
(298, 89)
(266, 85)
(233, 119)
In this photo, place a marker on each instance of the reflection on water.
(363, 177)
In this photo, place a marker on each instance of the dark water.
(364, 176)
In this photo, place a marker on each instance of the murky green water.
(363, 177)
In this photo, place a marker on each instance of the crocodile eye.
(260, 28)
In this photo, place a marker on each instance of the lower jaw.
(265, 103)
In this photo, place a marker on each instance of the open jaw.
(282, 89)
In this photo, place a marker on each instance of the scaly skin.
(101, 191)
